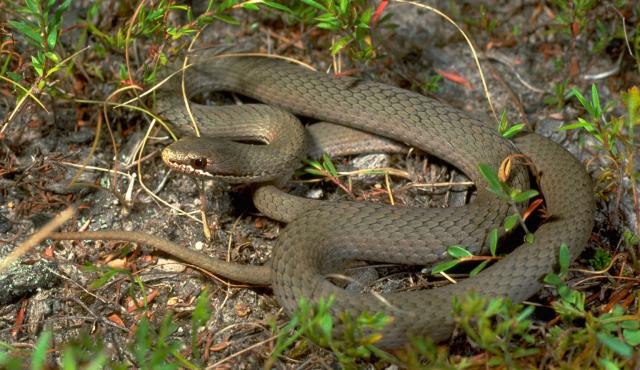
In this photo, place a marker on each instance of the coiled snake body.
(322, 236)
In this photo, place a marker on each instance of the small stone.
(548, 127)
(314, 193)
(169, 265)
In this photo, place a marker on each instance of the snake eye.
(199, 163)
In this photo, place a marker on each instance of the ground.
(54, 285)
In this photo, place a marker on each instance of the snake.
(323, 237)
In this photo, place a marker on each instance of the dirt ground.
(40, 154)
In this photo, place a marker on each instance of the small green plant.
(83, 352)
(484, 22)
(601, 259)
(42, 25)
(560, 95)
(86, 352)
(349, 20)
(433, 83)
(608, 339)
(572, 15)
(10, 357)
(507, 130)
(153, 24)
(152, 347)
(498, 327)
(315, 322)
(614, 135)
(163, 348)
(323, 168)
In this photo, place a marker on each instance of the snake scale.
(321, 237)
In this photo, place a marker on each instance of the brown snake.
(322, 236)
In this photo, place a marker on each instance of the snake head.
(212, 158)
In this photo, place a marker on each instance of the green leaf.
(61, 9)
(575, 92)
(513, 130)
(327, 164)
(503, 124)
(326, 325)
(105, 277)
(315, 4)
(525, 313)
(493, 241)
(564, 259)
(314, 171)
(444, 266)
(277, 6)
(631, 336)
(37, 65)
(53, 70)
(629, 324)
(52, 38)
(615, 345)
(202, 311)
(179, 7)
(34, 7)
(608, 364)
(595, 101)
(326, 17)
(631, 100)
(251, 6)
(344, 6)
(476, 270)
(580, 124)
(457, 251)
(365, 18)
(39, 355)
(314, 164)
(510, 222)
(495, 186)
(69, 359)
(494, 306)
(523, 196)
(28, 30)
(529, 238)
(328, 26)
(227, 19)
(14, 76)
(52, 56)
(553, 279)
(340, 44)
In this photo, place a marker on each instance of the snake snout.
(210, 158)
